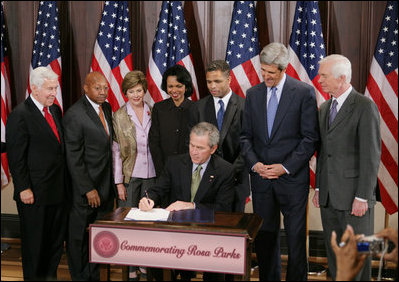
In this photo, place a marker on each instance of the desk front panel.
(129, 245)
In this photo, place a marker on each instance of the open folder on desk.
(192, 216)
(182, 216)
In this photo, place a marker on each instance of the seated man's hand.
(93, 198)
(146, 204)
(179, 205)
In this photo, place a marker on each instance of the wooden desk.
(223, 246)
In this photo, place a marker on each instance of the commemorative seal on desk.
(106, 244)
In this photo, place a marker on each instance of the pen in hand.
(148, 198)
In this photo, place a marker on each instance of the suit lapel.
(94, 116)
(261, 101)
(206, 181)
(38, 116)
(210, 111)
(344, 112)
(186, 175)
(324, 115)
(228, 116)
(285, 101)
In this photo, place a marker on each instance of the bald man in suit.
(88, 139)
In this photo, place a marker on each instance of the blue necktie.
(271, 110)
(333, 112)
(220, 115)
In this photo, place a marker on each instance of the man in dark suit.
(225, 109)
(348, 159)
(278, 139)
(88, 139)
(36, 158)
(199, 179)
(213, 187)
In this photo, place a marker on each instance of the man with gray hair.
(348, 159)
(278, 139)
(36, 157)
(195, 180)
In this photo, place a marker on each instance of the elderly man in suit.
(224, 109)
(36, 158)
(88, 139)
(348, 159)
(278, 139)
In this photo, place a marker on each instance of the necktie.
(195, 181)
(333, 112)
(101, 114)
(51, 122)
(271, 110)
(220, 115)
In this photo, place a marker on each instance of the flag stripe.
(389, 163)
(393, 81)
(235, 86)
(382, 88)
(112, 50)
(170, 47)
(385, 110)
(242, 53)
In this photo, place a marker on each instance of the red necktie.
(51, 122)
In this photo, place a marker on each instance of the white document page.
(152, 215)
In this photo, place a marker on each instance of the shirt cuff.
(361, 199)
(317, 189)
(286, 170)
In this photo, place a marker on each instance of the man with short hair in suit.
(224, 109)
(348, 159)
(88, 139)
(278, 139)
(200, 179)
(36, 157)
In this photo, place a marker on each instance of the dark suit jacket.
(169, 131)
(35, 157)
(216, 189)
(294, 134)
(89, 151)
(349, 156)
(229, 143)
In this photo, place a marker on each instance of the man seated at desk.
(199, 179)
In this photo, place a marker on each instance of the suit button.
(177, 130)
(329, 155)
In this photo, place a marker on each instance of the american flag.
(112, 50)
(306, 49)
(5, 98)
(382, 87)
(170, 47)
(46, 48)
(242, 52)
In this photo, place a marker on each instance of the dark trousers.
(42, 239)
(268, 205)
(78, 240)
(336, 220)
